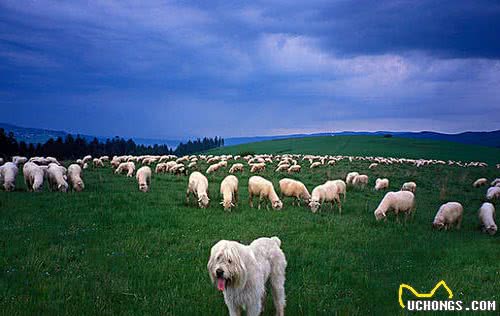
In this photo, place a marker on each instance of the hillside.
(370, 146)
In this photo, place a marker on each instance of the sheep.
(448, 214)
(294, 169)
(104, 158)
(126, 166)
(85, 165)
(33, 176)
(480, 182)
(327, 192)
(381, 184)
(373, 165)
(409, 186)
(493, 193)
(229, 192)
(8, 174)
(161, 167)
(198, 186)
(143, 176)
(282, 167)
(75, 177)
(237, 167)
(398, 202)
(258, 186)
(487, 218)
(18, 160)
(97, 162)
(87, 158)
(495, 182)
(294, 188)
(360, 180)
(212, 168)
(258, 167)
(315, 165)
(341, 187)
(350, 177)
(192, 165)
(55, 177)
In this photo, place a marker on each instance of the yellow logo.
(423, 295)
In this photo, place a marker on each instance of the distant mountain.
(38, 135)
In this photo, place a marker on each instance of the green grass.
(370, 146)
(112, 250)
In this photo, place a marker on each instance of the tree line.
(74, 147)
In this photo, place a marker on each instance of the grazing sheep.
(229, 192)
(493, 193)
(398, 202)
(341, 187)
(56, 178)
(126, 166)
(294, 169)
(315, 165)
(295, 189)
(75, 177)
(258, 167)
(97, 162)
(409, 186)
(143, 177)
(480, 182)
(213, 168)
(8, 174)
(192, 165)
(360, 180)
(373, 165)
(350, 177)
(381, 184)
(104, 158)
(327, 192)
(87, 158)
(237, 167)
(33, 176)
(448, 214)
(161, 167)
(258, 186)
(282, 167)
(495, 182)
(198, 186)
(487, 218)
(85, 165)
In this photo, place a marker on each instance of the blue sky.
(177, 69)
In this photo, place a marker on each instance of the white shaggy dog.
(241, 272)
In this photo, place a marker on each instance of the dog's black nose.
(219, 273)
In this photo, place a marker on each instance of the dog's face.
(277, 205)
(226, 265)
(203, 201)
(314, 206)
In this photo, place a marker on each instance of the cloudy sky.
(176, 69)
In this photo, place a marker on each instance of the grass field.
(112, 250)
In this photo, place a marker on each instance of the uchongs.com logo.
(425, 301)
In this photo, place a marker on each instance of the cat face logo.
(423, 295)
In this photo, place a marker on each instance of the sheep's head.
(314, 206)
(277, 205)
(492, 230)
(437, 225)
(203, 201)
(8, 186)
(227, 205)
(143, 187)
(379, 214)
(62, 187)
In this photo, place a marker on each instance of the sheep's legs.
(250, 200)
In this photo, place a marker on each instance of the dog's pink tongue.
(221, 283)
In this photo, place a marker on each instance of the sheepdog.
(241, 273)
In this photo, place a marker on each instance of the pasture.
(112, 250)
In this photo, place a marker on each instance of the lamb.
(258, 186)
(327, 192)
(487, 218)
(409, 186)
(350, 177)
(480, 182)
(126, 166)
(143, 177)
(294, 188)
(56, 178)
(198, 186)
(294, 169)
(229, 192)
(33, 176)
(258, 167)
(8, 173)
(75, 177)
(493, 193)
(398, 202)
(360, 180)
(237, 167)
(381, 184)
(448, 214)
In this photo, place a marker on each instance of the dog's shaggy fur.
(241, 272)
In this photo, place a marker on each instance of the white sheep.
(258, 186)
(56, 178)
(341, 187)
(18, 160)
(282, 167)
(448, 214)
(381, 184)
(360, 180)
(237, 167)
(212, 168)
(350, 177)
(315, 165)
(294, 169)
(327, 192)
(229, 192)
(126, 166)
(143, 177)
(258, 167)
(75, 177)
(8, 174)
(493, 193)
(487, 218)
(398, 202)
(409, 186)
(495, 182)
(97, 162)
(33, 176)
(373, 165)
(480, 182)
(198, 186)
(295, 189)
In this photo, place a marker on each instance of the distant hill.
(38, 135)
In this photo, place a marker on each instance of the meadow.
(112, 250)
